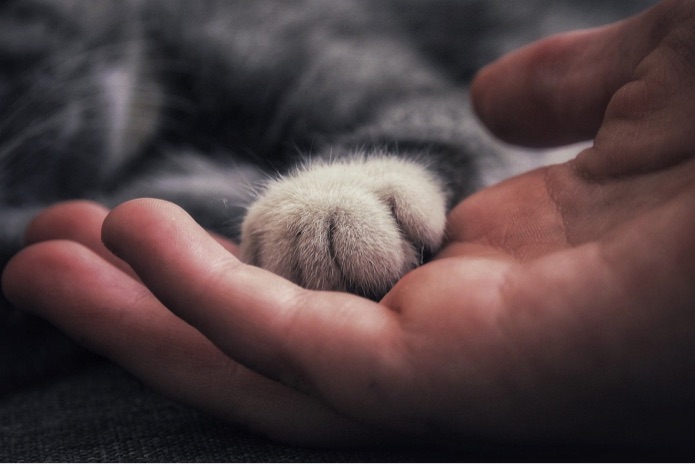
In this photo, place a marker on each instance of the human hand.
(560, 309)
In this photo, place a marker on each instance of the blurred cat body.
(343, 128)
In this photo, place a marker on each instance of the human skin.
(560, 309)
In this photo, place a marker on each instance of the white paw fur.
(357, 225)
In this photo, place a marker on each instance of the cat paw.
(357, 225)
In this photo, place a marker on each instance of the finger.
(79, 221)
(116, 316)
(555, 91)
(334, 345)
(227, 244)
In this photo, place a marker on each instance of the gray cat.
(331, 137)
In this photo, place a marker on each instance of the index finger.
(555, 91)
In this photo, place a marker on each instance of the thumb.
(555, 91)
